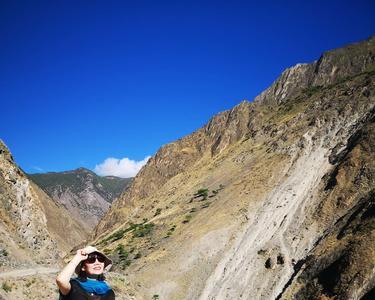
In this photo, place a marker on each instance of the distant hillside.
(86, 195)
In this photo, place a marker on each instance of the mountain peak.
(83, 170)
(4, 150)
(332, 67)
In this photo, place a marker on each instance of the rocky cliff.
(272, 199)
(84, 194)
(332, 67)
(32, 226)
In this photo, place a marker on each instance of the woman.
(89, 264)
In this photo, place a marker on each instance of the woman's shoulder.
(77, 292)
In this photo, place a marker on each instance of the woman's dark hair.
(82, 276)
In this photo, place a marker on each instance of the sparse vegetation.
(157, 212)
(123, 255)
(205, 205)
(171, 230)
(6, 287)
(155, 297)
(204, 193)
(187, 219)
(201, 193)
(312, 90)
(138, 255)
(215, 192)
(143, 229)
(30, 282)
(3, 252)
(122, 252)
(139, 230)
(106, 251)
(115, 236)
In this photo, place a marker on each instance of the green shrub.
(155, 297)
(123, 255)
(157, 212)
(119, 234)
(201, 193)
(143, 230)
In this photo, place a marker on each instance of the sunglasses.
(92, 257)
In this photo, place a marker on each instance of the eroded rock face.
(21, 208)
(342, 263)
(32, 226)
(264, 202)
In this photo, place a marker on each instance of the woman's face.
(92, 267)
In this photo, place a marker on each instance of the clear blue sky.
(81, 81)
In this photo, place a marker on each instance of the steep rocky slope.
(32, 226)
(267, 201)
(35, 234)
(84, 194)
(341, 264)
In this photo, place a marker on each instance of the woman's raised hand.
(81, 254)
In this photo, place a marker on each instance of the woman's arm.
(63, 278)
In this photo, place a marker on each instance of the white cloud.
(124, 167)
(37, 168)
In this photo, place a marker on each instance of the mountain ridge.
(231, 211)
(86, 195)
(227, 127)
(324, 71)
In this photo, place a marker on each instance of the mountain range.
(272, 199)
